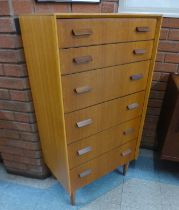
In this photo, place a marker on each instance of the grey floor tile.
(170, 197)
(109, 201)
(15, 201)
(139, 207)
(170, 206)
(138, 193)
(100, 206)
(97, 206)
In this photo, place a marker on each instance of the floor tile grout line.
(161, 196)
(36, 204)
(122, 192)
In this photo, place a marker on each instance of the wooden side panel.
(149, 81)
(41, 51)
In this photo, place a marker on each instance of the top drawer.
(85, 32)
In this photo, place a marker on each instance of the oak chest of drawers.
(90, 77)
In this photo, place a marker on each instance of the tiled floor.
(150, 184)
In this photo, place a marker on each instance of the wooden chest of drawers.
(90, 77)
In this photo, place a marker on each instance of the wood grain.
(104, 15)
(102, 165)
(105, 84)
(93, 31)
(41, 51)
(104, 55)
(103, 141)
(104, 115)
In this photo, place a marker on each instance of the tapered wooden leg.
(72, 198)
(125, 168)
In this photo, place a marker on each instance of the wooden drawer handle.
(82, 59)
(142, 29)
(82, 32)
(84, 89)
(139, 51)
(128, 131)
(136, 76)
(84, 150)
(85, 173)
(84, 123)
(133, 106)
(127, 152)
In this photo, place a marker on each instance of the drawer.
(85, 122)
(92, 87)
(98, 167)
(85, 32)
(93, 146)
(93, 57)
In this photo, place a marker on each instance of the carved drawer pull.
(84, 150)
(133, 106)
(139, 51)
(82, 59)
(82, 32)
(142, 29)
(85, 173)
(127, 152)
(84, 89)
(84, 123)
(128, 131)
(136, 76)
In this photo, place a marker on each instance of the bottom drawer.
(98, 167)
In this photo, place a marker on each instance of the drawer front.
(88, 88)
(93, 57)
(98, 167)
(85, 32)
(93, 146)
(85, 122)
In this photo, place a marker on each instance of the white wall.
(165, 7)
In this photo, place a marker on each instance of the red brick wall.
(19, 140)
(167, 62)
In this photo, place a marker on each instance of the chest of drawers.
(90, 77)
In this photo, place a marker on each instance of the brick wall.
(19, 141)
(167, 62)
